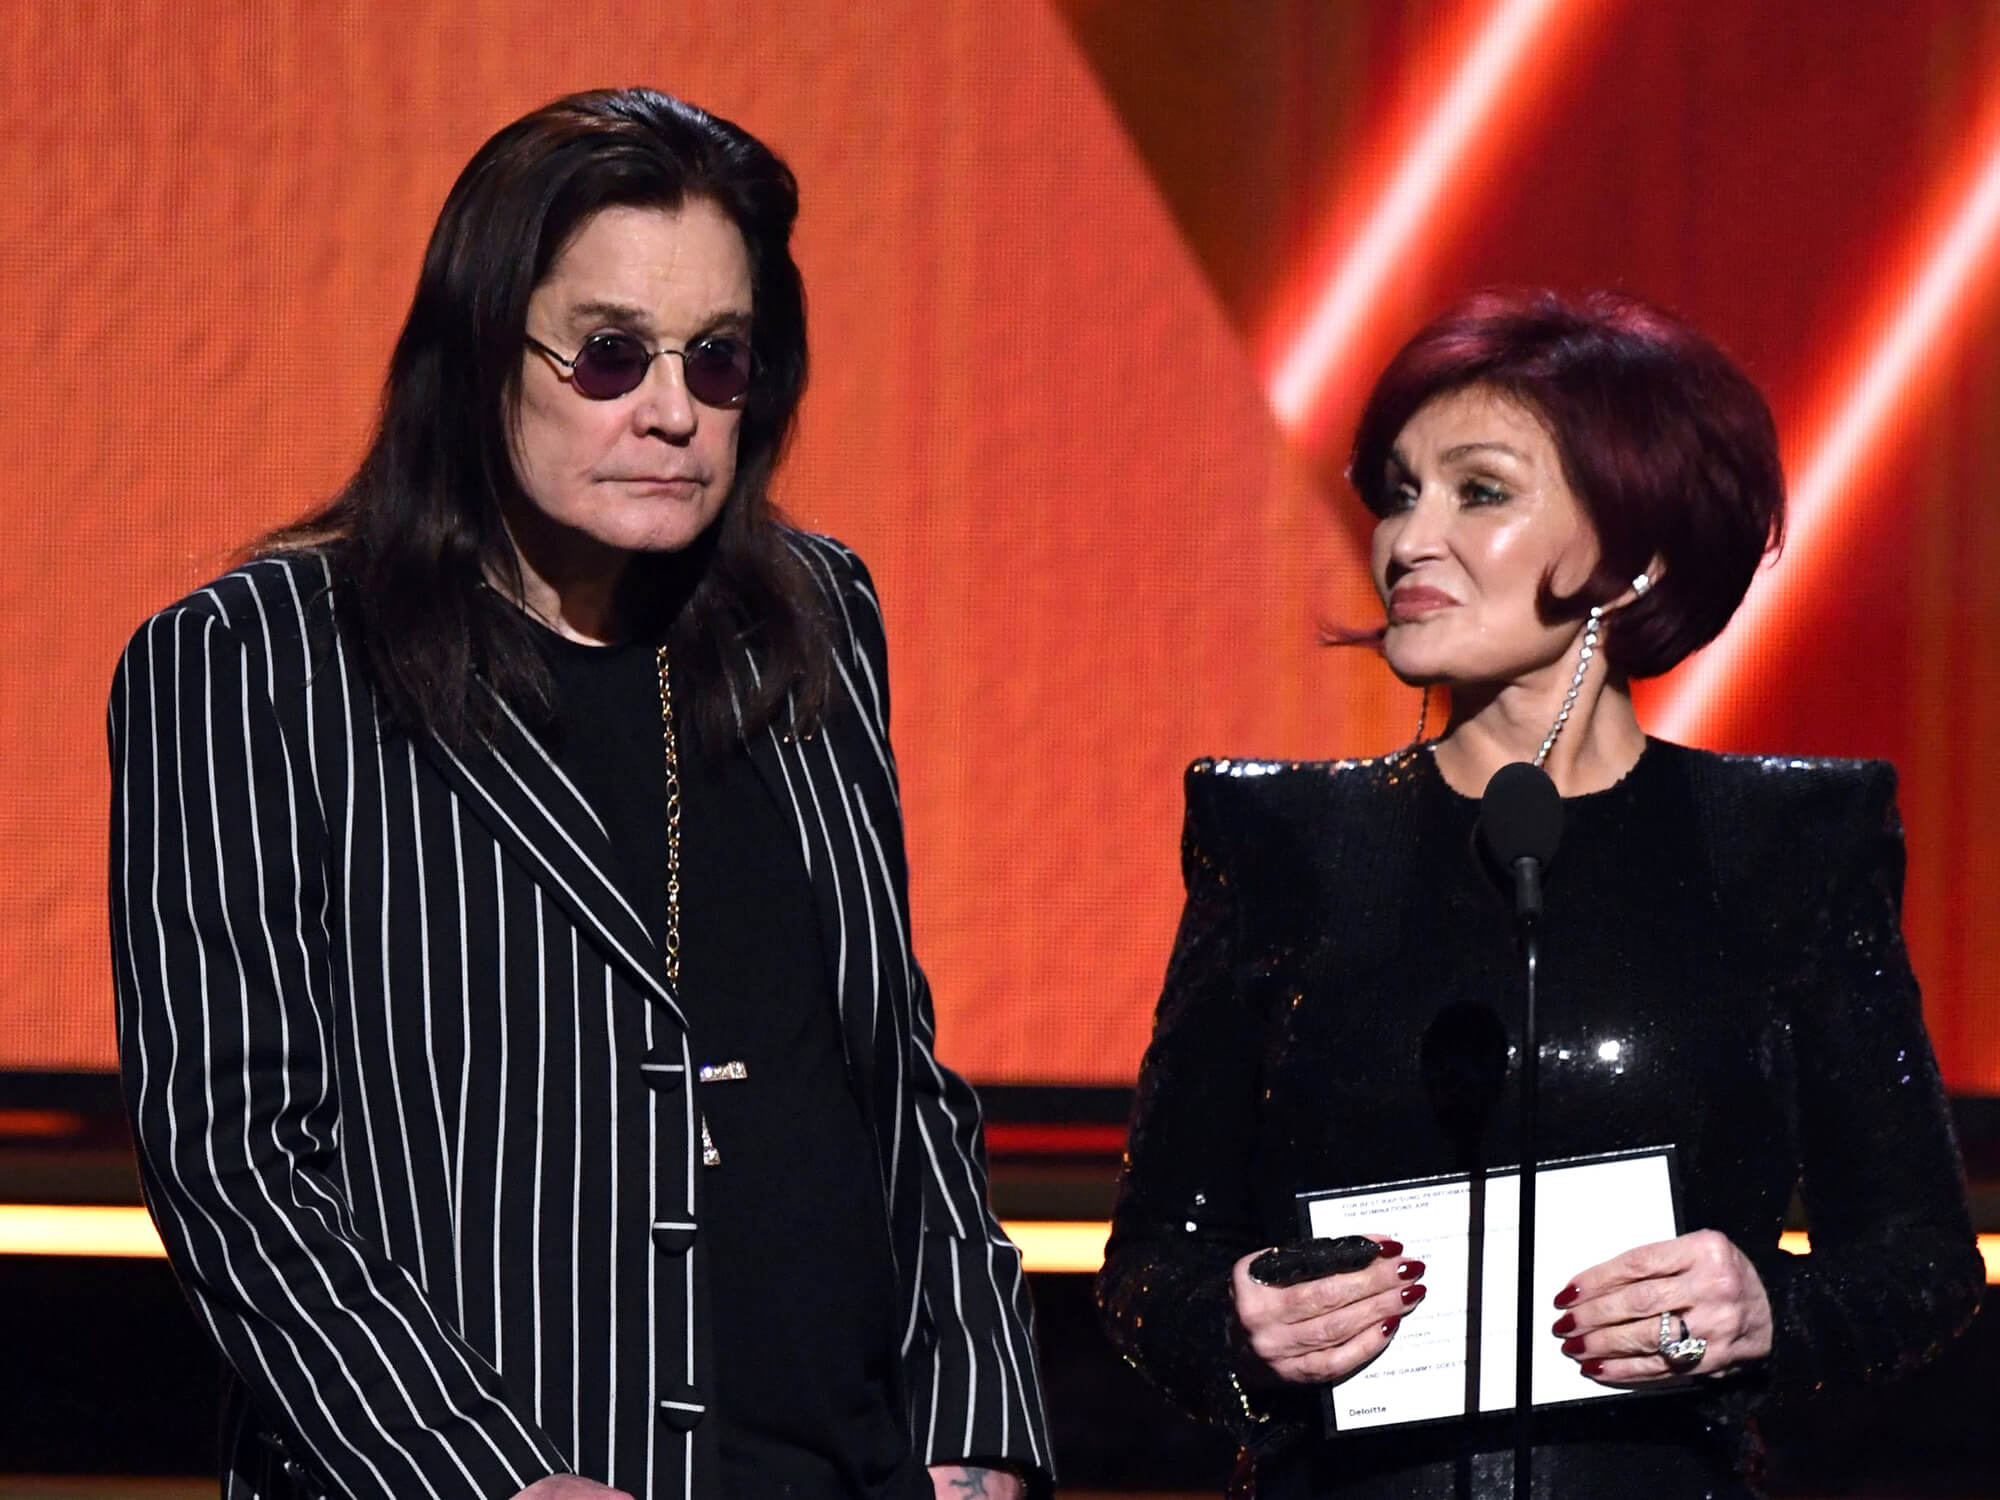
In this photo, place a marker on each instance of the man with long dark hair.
(533, 1084)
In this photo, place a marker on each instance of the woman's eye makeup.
(1399, 490)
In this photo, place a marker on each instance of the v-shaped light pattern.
(1891, 369)
(1467, 122)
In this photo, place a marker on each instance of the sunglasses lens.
(610, 364)
(718, 371)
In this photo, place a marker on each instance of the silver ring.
(1681, 1354)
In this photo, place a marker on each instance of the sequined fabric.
(1722, 970)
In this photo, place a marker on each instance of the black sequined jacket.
(1722, 969)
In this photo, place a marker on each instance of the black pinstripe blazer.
(414, 1103)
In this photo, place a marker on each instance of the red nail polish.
(1572, 1346)
(1389, 1326)
(1412, 1295)
(1568, 1295)
(1592, 1367)
(1389, 1249)
(1564, 1325)
(1409, 1270)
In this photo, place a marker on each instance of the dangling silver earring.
(1423, 715)
(1590, 629)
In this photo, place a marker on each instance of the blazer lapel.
(822, 779)
(800, 774)
(818, 781)
(512, 786)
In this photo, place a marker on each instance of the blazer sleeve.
(222, 968)
(1186, 1211)
(1894, 1270)
(975, 1388)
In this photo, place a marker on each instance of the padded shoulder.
(270, 606)
(1806, 802)
(1294, 814)
(1223, 779)
(836, 567)
(1784, 831)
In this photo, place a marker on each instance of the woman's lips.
(1410, 604)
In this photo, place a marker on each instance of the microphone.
(1520, 823)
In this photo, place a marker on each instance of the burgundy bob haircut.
(1668, 446)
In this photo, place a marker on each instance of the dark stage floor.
(110, 1390)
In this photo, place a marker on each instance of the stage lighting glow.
(65, 1229)
(1468, 115)
(1058, 1245)
(1894, 366)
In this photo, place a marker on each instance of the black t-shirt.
(794, 1228)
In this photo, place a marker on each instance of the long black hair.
(416, 537)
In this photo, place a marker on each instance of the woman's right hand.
(1318, 1332)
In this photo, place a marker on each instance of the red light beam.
(1897, 362)
(1469, 117)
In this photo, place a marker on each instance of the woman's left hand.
(1610, 1322)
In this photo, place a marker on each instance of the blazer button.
(682, 1407)
(673, 1235)
(663, 1070)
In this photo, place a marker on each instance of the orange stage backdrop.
(1054, 252)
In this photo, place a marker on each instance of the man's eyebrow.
(626, 315)
(610, 312)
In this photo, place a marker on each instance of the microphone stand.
(1521, 823)
(1527, 877)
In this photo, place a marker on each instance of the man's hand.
(570, 1487)
(973, 1482)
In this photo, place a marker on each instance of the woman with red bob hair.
(1569, 495)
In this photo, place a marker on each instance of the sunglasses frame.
(569, 364)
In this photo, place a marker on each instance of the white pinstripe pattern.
(359, 991)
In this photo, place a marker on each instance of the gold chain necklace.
(710, 1157)
(673, 818)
